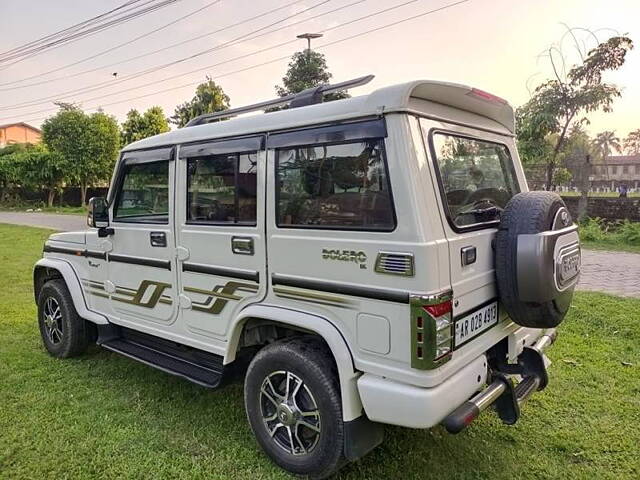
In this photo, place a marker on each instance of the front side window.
(222, 189)
(143, 196)
(340, 186)
(477, 178)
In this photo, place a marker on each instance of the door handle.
(158, 239)
(242, 245)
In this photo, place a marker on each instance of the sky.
(495, 45)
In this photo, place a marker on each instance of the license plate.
(472, 325)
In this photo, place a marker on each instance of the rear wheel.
(63, 332)
(292, 398)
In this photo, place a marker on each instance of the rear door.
(476, 177)
(221, 246)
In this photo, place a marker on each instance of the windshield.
(476, 176)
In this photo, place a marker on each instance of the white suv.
(368, 261)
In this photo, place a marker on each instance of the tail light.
(431, 331)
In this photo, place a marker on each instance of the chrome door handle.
(242, 245)
(158, 239)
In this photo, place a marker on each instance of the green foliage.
(632, 143)
(209, 98)
(617, 235)
(607, 142)
(137, 126)
(88, 143)
(559, 103)
(307, 69)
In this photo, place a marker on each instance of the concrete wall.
(607, 208)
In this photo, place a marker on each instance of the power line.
(74, 27)
(109, 83)
(83, 33)
(95, 69)
(351, 37)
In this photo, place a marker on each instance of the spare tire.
(537, 259)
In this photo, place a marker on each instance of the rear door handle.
(242, 245)
(158, 239)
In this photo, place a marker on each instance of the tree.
(137, 126)
(209, 98)
(558, 104)
(39, 169)
(307, 69)
(89, 145)
(606, 142)
(632, 143)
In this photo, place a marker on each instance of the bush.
(629, 232)
(593, 230)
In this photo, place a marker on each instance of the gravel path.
(617, 273)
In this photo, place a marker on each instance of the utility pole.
(308, 37)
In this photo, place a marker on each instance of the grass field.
(104, 416)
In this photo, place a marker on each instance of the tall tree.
(88, 143)
(137, 126)
(606, 143)
(209, 98)
(564, 101)
(632, 143)
(307, 69)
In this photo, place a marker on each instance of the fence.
(607, 208)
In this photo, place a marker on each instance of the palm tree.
(606, 142)
(632, 143)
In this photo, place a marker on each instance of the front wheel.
(292, 399)
(63, 332)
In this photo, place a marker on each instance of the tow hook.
(502, 392)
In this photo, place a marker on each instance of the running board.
(197, 366)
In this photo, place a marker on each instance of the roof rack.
(309, 96)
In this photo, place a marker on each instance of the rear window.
(339, 186)
(476, 178)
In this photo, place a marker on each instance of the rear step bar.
(502, 393)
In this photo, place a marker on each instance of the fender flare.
(351, 403)
(73, 284)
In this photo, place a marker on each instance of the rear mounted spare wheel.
(537, 259)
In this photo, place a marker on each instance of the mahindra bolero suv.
(368, 261)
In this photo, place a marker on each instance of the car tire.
(305, 368)
(526, 213)
(63, 332)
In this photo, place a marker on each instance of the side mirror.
(98, 216)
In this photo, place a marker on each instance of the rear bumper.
(453, 401)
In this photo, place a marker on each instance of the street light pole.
(308, 37)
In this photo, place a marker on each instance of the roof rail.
(309, 96)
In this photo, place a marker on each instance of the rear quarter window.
(477, 178)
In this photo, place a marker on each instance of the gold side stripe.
(280, 291)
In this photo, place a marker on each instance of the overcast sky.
(494, 45)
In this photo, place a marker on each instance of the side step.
(197, 366)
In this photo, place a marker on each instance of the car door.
(221, 246)
(142, 276)
(477, 177)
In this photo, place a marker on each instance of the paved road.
(47, 220)
(617, 273)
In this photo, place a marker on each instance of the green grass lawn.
(104, 416)
(64, 210)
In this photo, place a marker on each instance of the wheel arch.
(348, 376)
(50, 268)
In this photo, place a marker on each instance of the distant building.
(19, 133)
(617, 170)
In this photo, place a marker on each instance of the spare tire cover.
(537, 259)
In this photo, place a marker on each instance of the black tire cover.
(528, 213)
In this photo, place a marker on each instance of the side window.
(143, 196)
(222, 189)
(339, 186)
